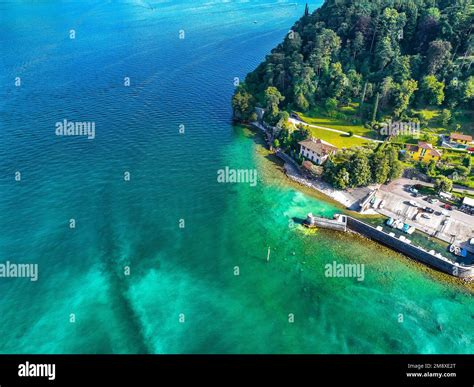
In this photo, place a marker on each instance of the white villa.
(316, 150)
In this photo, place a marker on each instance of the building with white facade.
(316, 150)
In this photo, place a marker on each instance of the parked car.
(447, 207)
(429, 210)
(413, 203)
(426, 216)
(433, 200)
(413, 190)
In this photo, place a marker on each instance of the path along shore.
(348, 198)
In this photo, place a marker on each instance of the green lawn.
(352, 124)
(454, 156)
(337, 139)
(469, 182)
(465, 118)
(347, 120)
(429, 114)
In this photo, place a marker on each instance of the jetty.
(338, 222)
(430, 258)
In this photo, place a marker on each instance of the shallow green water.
(188, 272)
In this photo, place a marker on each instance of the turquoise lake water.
(178, 273)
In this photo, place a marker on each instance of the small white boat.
(411, 230)
(455, 249)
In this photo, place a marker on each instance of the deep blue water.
(173, 176)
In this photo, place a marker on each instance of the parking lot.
(447, 225)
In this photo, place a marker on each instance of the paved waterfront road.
(456, 188)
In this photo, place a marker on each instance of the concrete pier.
(438, 262)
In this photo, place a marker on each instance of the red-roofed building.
(316, 150)
(460, 138)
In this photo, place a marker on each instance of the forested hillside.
(385, 57)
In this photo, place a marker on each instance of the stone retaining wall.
(414, 252)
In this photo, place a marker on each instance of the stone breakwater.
(435, 261)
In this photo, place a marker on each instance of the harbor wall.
(414, 252)
(330, 224)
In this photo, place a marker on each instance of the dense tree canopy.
(360, 167)
(391, 54)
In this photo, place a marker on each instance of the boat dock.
(430, 258)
